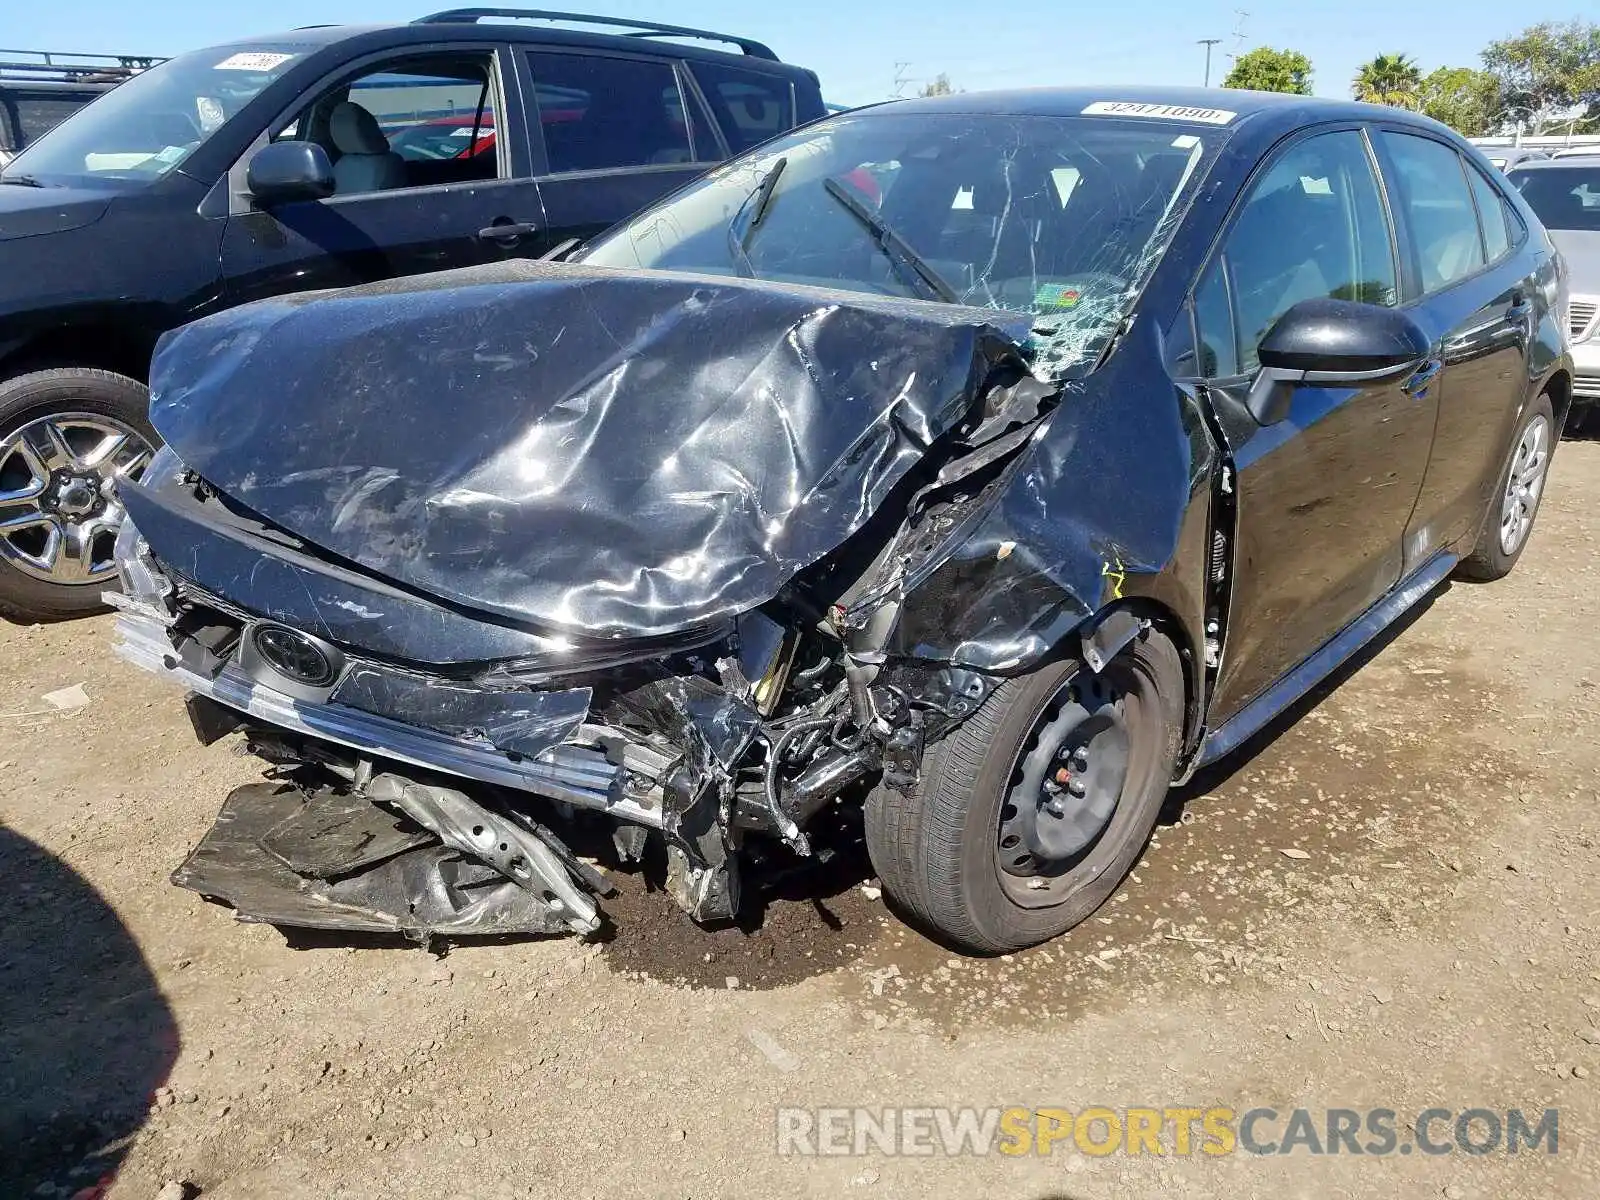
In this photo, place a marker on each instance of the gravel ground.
(1390, 902)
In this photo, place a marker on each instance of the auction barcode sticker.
(259, 60)
(1160, 112)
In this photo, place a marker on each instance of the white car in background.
(1565, 193)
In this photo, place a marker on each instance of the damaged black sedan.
(971, 468)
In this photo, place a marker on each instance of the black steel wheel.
(1031, 813)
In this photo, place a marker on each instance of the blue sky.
(855, 44)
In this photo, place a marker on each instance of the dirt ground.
(1429, 940)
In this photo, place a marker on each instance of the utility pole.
(1239, 34)
(1208, 43)
(900, 80)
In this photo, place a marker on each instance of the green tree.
(1466, 100)
(1548, 74)
(939, 87)
(1267, 70)
(1391, 79)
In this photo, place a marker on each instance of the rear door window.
(751, 106)
(599, 113)
(1492, 215)
(1437, 203)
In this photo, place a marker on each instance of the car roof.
(317, 37)
(1071, 101)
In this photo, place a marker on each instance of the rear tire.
(1514, 505)
(947, 853)
(67, 493)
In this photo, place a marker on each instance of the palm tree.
(1391, 79)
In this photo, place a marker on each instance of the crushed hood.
(617, 453)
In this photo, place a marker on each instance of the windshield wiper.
(21, 180)
(908, 264)
(761, 200)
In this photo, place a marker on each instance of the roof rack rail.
(59, 66)
(641, 29)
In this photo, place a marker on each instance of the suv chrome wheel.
(59, 511)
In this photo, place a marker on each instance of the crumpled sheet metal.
(521, 722)
(348, 611)
(424, 892)
(1108, 504)
(612, 452)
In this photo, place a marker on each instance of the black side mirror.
(286, 172)
(1333, 343)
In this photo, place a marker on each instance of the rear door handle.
(508, 231)
(1423, 378)
(1521, 306)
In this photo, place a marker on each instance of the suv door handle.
(1521, 306)
(507, 232)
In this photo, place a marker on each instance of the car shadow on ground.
(85, 1034)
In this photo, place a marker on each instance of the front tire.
(1508, 524)
(67, 435)
(1029, 815)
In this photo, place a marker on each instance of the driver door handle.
(1423, 378)
(508, 232)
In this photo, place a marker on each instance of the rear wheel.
(66, 437)
(1515, 502)
(1030, 814)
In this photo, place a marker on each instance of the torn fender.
(1111, 504)
(623, 453)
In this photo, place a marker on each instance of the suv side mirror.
(285, 172)
(1333, 343)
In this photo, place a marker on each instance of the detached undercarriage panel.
(418, 888)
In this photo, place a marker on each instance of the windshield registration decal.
(1057, 296)
(256, 60)
(1160, 112)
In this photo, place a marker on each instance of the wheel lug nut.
(1077, 789)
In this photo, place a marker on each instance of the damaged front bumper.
(408, 799)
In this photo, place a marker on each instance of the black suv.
(39, 89)
(319, 158)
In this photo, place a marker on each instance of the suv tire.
(66, 435)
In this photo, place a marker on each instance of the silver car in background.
(1565, 193)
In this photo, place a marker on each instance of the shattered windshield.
(143, 129)
(1059, 217)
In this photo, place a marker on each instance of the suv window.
(750, 106)
(1312, 226)
(1438, 207)
(412, 122)
(600, 113)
